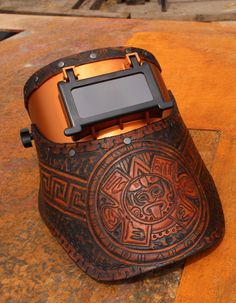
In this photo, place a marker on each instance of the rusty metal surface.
(199, 66)
(33, 266)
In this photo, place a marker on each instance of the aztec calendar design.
(144, 205)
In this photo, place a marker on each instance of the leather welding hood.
(129, 203)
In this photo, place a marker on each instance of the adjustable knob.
(26, 137)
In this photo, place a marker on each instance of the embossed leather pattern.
(122, 209)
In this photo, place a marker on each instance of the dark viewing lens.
(111, 95)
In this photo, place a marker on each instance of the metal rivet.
(92, 56)
(72, 153)
(127, 140)
(60, 64)
(145, 53)
(36, 79)
(127, 50)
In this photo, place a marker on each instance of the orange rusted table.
(199, 66)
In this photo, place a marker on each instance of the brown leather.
(130, 203)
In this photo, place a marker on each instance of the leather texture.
(124, 205)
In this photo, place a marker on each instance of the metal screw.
(60, 64)
(92, 56)
(72, 153)
(127, 141)
(36, 79)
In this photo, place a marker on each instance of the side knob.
(26, 137)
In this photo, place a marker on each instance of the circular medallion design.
(149, 198)
(145, 206)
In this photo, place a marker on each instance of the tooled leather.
(122, 209)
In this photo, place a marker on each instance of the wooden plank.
(224, 16)
(66, 12)
(96, 4)
(197, 10)
(77, 4)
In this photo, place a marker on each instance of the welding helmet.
(122, 186)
